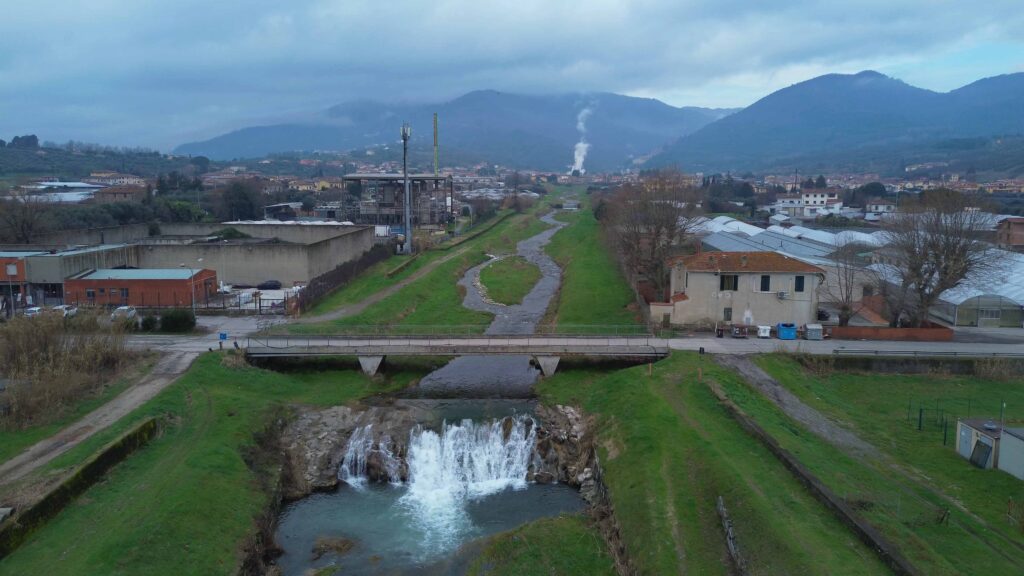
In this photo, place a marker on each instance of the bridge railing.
(494, 340)
(427, 330)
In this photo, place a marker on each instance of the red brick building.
(158, 288)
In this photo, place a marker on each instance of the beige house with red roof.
(740, 288)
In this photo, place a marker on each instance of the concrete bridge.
(546, 350)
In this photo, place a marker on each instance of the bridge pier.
(370, 364)
(548, 364)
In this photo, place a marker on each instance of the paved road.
(170, 366)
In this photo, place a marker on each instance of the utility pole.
(406, 134)
(435, 145)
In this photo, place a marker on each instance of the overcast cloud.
(158, 73)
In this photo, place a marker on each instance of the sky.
(158, 73)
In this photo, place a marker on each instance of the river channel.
(464, 470)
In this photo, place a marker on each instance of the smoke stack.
(435, 145)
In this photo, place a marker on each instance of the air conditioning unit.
(783, 295)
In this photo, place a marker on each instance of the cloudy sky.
(161, 72)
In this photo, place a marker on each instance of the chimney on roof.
(743, 261)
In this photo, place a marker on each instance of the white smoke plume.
(580, 149)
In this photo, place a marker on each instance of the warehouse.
(148, 287)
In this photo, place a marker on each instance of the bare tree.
(934, 245)
(22, 221)
(650, 219)
(844, 288)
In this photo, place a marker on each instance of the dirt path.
(166, 371)
(353, 309)
(793, 407)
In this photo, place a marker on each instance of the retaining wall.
(18, 528)
(932, 334)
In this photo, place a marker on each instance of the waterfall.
(362, 447)
(447, 470)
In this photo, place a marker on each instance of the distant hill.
(867, 115)
(511, 129)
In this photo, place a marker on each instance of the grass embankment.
(668, 450)
(183, 504)
(376, 277)
(435, 299)
(593, 291)
(904, 491)
(13, 441)
(562, 545)
(509, 280)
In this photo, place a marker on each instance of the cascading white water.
(466, 461)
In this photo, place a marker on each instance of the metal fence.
(525, 329)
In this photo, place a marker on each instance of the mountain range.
(858, 122)
(864, 116)
(511, 129)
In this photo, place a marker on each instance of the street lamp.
(10, 270)
(406, 134)
(192, 282)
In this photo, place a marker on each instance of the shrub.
(177, 320)
(150, 323)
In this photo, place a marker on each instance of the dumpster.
(814, 332)
(786, 330)
(764, 331)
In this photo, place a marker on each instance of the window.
(728, 282)
(766, 283)
(989, 313)
(113, 292)
(727, 314)
(798, 286)
(90, 293)
(124, 293)
(102, 291)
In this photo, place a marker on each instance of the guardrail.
(925, 353)
(524, 329)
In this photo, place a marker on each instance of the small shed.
(1011, 452)
(978, 441)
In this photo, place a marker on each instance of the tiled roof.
(745, 262)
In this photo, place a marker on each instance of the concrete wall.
(1011, 455)
(254, 263)
(54, 268)
(92, 236)
(749, 306)
(297, 233)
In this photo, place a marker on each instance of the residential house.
(134, 194)
(1010, 234)
(744, 288)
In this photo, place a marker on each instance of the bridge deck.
(461, 346)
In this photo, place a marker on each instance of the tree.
(3, 144)
(22, 221)
(241, 200)
(844, 288)
(820, 182)
(29, 141)
(934, 245)
(202, 164)
(651, 218)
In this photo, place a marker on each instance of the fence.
(238, 303)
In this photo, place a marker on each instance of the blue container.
(786, 331)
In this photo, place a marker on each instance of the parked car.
(66, 310)
(33, 312)
(270, 285)
(123, 313)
